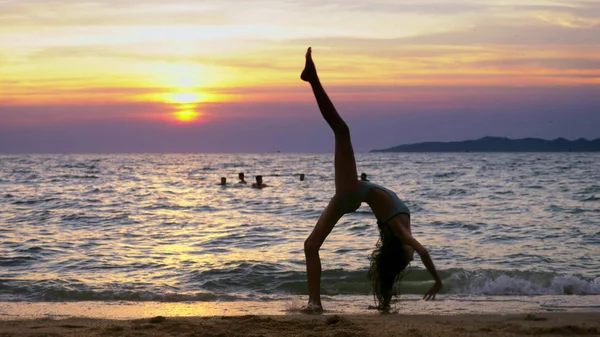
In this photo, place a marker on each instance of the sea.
(134, 235)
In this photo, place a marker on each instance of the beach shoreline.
(555, 324)
(285, 305)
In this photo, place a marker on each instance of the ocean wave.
(496, 282)
(54, 291)
(459, 225)
(591, 189)
(68, 177)
(571, 210)
(15, 261)
(205, 168)
(33, 201)
(252, 280)
(78, 165)
(457, 191)
(452, 174)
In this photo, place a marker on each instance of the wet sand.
(550, 324)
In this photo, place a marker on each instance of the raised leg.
(344, 162)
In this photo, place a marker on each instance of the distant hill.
(501, 144)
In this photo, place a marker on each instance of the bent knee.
(342, 130)
(311, 246)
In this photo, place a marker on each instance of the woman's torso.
(384, 202)
(388, 209)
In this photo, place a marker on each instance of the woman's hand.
(409, 240)
(430, 295)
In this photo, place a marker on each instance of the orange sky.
(173, 60)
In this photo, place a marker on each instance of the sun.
(185, 93)
(185, 103)
(186, 115)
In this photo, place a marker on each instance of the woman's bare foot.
(312, 308)
(309, 74)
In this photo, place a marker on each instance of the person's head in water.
(259, 183)
(241, 177)
(301, 176)
(388, 261)
(223, 181)
(363, 177)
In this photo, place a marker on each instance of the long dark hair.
(388, 261)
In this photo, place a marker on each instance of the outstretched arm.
(408, 239)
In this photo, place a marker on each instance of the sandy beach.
(555, 324)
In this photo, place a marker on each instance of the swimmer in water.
(259, 183)
(396, 245)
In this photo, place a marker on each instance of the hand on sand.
(430, 295)
(312, 308)
(309, 74)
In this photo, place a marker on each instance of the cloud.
(590, 64)
(480, 36)
(186, 12)
(108, 13)
(480, 46)
(73, 114)
(246, 59)
(421, 7)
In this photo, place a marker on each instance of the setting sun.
(186, 104)
(187, 115)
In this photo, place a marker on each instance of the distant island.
(501, 144)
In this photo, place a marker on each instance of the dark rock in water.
(502, 144)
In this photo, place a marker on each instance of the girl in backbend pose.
(396, 245)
